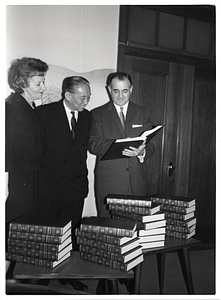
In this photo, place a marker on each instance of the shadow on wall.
(97, 79)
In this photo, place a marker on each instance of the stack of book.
(179, 213)
(44, 243)
(109, 242)
(150, 221)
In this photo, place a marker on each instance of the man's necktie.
(122, 118)
(73, 123)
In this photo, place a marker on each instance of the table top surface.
(73, 267)
(173, 244)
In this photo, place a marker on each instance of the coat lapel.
(62, 123)
(113, 114)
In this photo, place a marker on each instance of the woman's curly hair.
(22, 70)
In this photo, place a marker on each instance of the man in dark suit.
(63, 177)
(125, 175)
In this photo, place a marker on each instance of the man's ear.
(131, 89)
(67, 95)
(109, 89)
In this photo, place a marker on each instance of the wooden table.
(182, 247)
(76, 268)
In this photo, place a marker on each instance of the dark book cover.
(39, 238)
(123, 258)
(51, 256)
(118, 249)
(110, 239)
(36, 261)
(116, 148)
(34, 246)
(131, 200)
(174, 200)
(112, 263)
(177, 209)
(135, 209)
(186, 224)
(109, 226)
(32, 224)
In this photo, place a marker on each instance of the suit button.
(65, 162)
(60, 143)
(127, 169)
(64, 177)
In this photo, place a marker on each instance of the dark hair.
(69, 84)
(22, 70)
(119, 76)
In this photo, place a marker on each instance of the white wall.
(81, 38)
(72, 39)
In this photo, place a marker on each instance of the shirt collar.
(68, 111)
(125, 106)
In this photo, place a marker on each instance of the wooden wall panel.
(202, 183)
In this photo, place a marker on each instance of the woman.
(24, 136)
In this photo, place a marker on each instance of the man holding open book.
(119, 118)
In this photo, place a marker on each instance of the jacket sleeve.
(10, 124)
(98, 145)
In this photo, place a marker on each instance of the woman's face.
(35, 89)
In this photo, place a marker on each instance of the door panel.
(202, 172)
(165, 89)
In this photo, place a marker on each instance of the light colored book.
(160, 230)
(155, 217)
(152, 238)
(155, 224)
(155, 244)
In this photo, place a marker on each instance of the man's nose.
(120, 94)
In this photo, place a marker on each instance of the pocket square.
(137, 125)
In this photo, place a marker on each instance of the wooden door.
(166, 90)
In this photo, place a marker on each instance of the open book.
(116, 148)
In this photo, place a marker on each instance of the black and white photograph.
(110, 155)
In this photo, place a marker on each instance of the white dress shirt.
(69, 114)
(125, 106)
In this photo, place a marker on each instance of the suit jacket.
(64, 172)
(23, 136)
(124, 175)
(23, 152)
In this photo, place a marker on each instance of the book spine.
(171, 215)
(129, 202)
(178, 235)
(103, 261)
(34, 237)
(38, 229)
(173, 208)
(178, 229)
(99, 245)
(33, 245)
(171, 202)
(140, 225)
(29, 260)
(131, 209)
(99, 237)
(127, 215)
(101, 253)
(175, 222)
(120, 232)
(33, 253)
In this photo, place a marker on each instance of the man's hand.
(133, 152)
